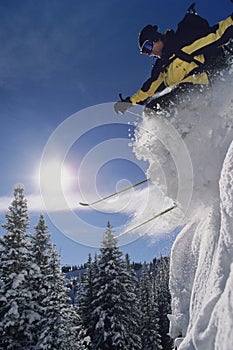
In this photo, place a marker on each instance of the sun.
(67, 178)
(56, 176)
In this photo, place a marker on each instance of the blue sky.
(60, 57)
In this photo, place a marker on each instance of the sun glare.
(67, 178)
(55, 177)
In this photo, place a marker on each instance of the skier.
(185, 58)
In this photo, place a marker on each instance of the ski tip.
(83, 204)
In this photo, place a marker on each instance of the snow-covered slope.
(192, 150)
(202, 275)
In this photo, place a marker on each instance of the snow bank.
(204, 295)
(190, 155)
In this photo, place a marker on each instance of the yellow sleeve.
(222, 27)
(141, 95)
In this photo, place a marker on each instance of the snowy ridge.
(201, 279)
(206, 293)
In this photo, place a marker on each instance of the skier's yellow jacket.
(184, 66)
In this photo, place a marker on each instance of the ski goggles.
(147, 47)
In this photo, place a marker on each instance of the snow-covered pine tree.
(85, 296)
(133, 307)
(113, 299)
(41, 251)
(16, 303)
(59, 327)
(149, 326)
(163, 298)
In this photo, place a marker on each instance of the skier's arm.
(148, 90)
(221, 33)
(153, 84)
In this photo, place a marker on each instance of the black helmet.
(148, 33)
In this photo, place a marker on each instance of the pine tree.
(41, 252)
(59, 326)
(163, 297)
(16, 303)
(132, 306)
(86, 296)
(112, 306)
(149, 327)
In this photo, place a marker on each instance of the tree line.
(109, 306)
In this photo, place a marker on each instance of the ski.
(115, 193)
(149, 220)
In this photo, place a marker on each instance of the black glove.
(122, 106)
